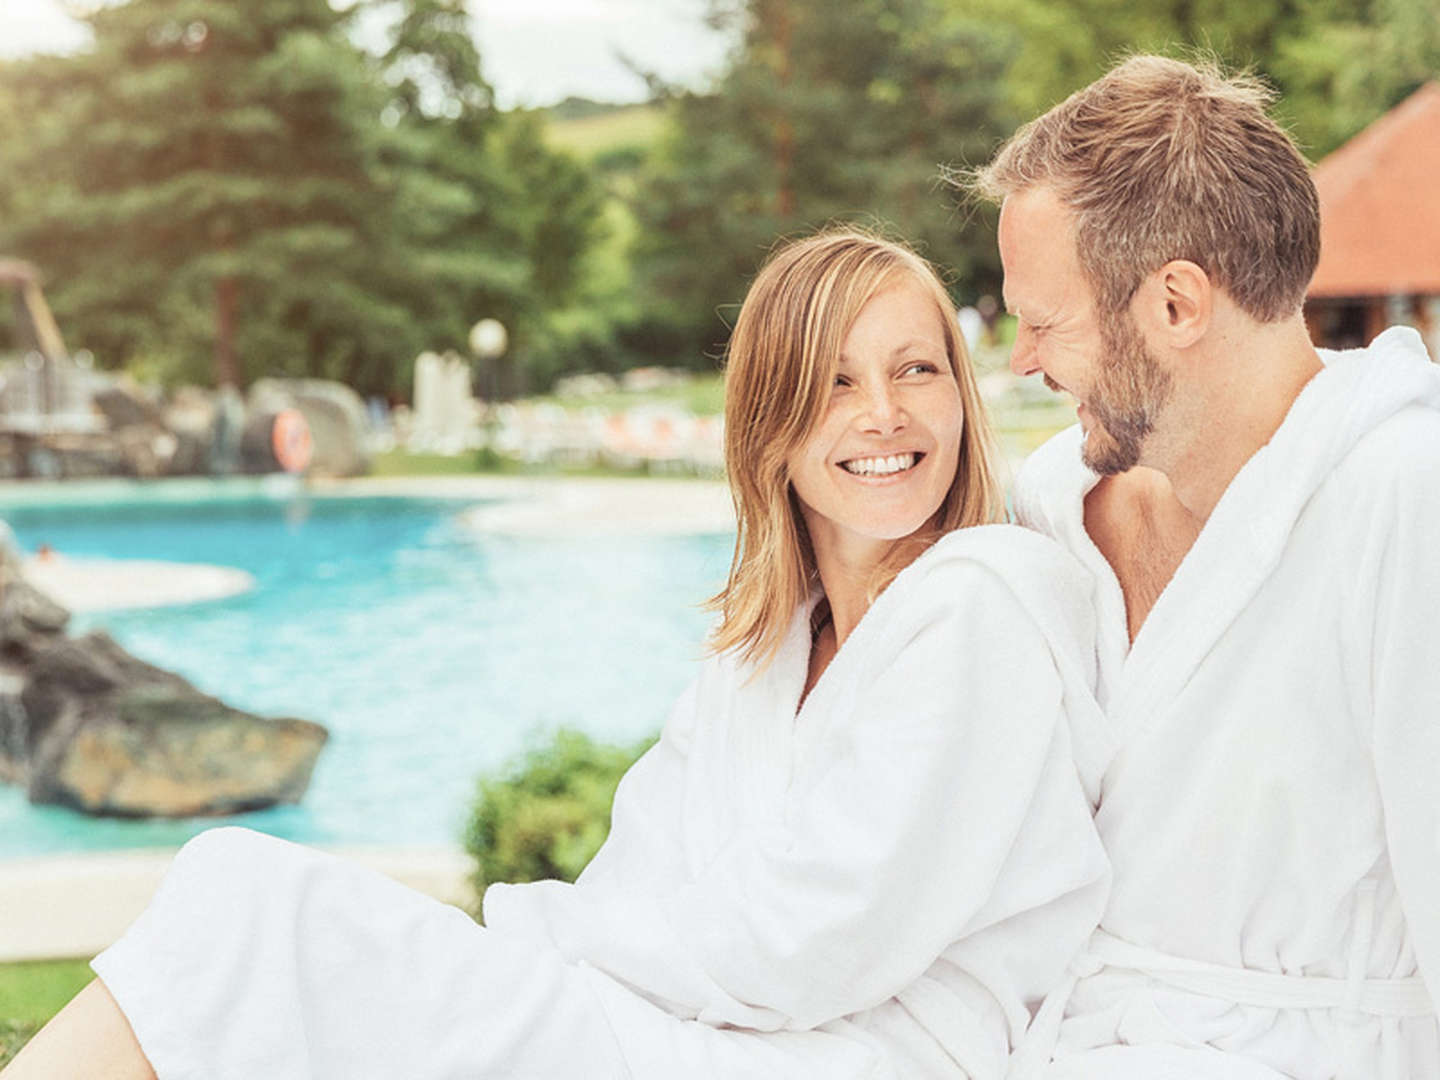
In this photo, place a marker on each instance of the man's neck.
(1145, 521)
(1229, 409)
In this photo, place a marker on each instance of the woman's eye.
(923, 367)
(841, 380)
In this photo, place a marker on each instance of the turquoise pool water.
(433, 653)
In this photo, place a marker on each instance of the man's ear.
(1175, 303)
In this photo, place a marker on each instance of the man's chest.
(1143, 546)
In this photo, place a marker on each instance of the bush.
(548, 815)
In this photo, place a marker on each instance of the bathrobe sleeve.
(643, 847)
(1406, 719)
(644, 844)
(946, 741)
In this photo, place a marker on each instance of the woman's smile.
(875, 468)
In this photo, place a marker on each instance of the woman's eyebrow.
(921, 344)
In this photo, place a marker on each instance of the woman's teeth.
(880, 466)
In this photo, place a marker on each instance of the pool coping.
(56, 907)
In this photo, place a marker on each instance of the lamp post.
(488, 340)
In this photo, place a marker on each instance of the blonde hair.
(1160, 160)
(781, 365)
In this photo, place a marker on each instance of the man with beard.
(1260, 519)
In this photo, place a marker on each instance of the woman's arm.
(946, 742)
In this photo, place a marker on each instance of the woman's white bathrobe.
(877, 886)
(1274, 804)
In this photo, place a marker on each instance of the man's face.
(1100, 359)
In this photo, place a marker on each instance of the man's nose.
(1024, 359)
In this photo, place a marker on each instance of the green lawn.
(704, 395)
(586, 136)
(31, 993)
(400, 462)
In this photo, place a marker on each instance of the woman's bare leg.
(88, 1038)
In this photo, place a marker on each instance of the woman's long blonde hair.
(780, 367)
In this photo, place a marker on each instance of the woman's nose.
(883, 412)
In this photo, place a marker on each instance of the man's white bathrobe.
(1274, 805)
(875, 886)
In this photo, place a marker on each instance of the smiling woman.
(864, 429)
(860, 848)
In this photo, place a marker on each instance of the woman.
(860, 848)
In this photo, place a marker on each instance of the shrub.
(547, 815)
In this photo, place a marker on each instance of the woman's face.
(878, 466)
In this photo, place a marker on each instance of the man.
(1263, 523)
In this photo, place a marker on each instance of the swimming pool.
(432, 652)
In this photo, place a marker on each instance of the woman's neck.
(846, 578)
(847, 589)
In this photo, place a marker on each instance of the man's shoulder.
(1051, 481)
(1402, 450)
(1058, 457)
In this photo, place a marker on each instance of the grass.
(704, 395)
(586, 136)
(31, 993)
(400, 462)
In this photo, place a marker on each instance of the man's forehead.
(1037, 249)
(1036, 216)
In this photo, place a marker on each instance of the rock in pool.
(84, 724)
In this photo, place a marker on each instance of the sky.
(534, 52)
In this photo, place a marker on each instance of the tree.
(223, 191)
(827, 113)
(492, 222)
(203, 181)
(1337, 66)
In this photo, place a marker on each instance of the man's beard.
(1130, 389)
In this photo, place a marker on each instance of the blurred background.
(220, 191)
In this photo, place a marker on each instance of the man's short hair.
(1163, 160)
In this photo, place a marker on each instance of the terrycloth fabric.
(876, 886)
(1274, 802)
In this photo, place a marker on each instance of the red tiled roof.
(1380, 205)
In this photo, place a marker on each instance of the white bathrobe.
(877, 886)
(1274, 805)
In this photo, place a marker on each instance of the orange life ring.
(290, 441)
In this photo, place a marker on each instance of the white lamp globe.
(488, 339)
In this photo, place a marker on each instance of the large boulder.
(335, 414)
(124, 403)
(192, 415)
(84, 724)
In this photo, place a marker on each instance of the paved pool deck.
(73, 906)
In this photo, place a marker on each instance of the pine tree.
(827, 113)
(496, 224)
(203, 181)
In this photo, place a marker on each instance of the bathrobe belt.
(1405, 997)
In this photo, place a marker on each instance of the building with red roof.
(1380, 229)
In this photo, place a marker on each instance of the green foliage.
(13, 1036)
(548, 816)
(1337, 66)
(202, 183)
(222, 192)
(828, 113)
(621, 135)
